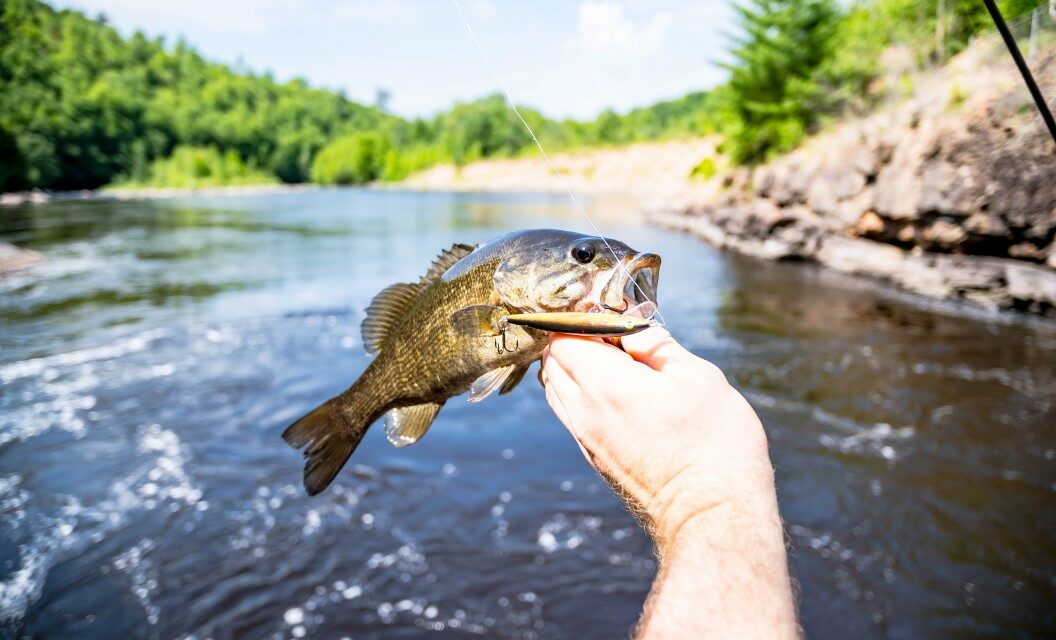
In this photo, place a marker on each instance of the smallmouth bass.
(450, 333)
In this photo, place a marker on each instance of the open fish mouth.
(632, 283)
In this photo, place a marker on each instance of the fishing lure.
(577, 323)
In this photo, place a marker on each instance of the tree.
(773, 91)
(354, 159)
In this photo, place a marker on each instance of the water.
(148, 368)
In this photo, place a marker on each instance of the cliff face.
(951, 194)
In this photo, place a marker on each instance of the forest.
(83, 107)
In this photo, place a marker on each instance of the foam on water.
(117, 349)
(160, 482)
(137, 564)
(851, 436)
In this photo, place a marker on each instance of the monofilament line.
(546, 156)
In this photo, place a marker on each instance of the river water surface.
(148, 368)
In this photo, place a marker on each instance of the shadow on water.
(914, 453)
(148, 367)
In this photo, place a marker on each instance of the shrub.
(198, 167)
(354, 159)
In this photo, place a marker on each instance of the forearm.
(725, 575)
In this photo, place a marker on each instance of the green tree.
(353, 159)
(190, 167)
(773, 92)
(483, 128)
(84, 105)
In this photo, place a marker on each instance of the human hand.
(661, 425)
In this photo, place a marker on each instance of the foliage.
(483, 128)
(403, 162)
(353, 159)
(198, 167)
(705, 169)
(84, 105)
(81, 106)
(773, 89)
(796, 62)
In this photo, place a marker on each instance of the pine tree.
(774, 97)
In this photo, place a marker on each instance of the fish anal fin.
(385, 312)
(478, 320)
(513, 380)
(406, 425)
(486, 384)
(446, 260)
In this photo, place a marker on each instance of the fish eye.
(583, 252)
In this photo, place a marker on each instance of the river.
(149, 366)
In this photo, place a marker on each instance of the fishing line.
(546, 156)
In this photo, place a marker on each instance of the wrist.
(698, 498)
(693, 519)
(740, 547)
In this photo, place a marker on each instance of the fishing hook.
(500, 344)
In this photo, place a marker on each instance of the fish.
(450, 333)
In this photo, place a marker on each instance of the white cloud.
(605, 29)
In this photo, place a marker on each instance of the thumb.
(656, 349)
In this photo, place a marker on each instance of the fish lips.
(633, 282)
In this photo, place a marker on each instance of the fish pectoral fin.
(406, 425)
(513, 380)
(486, 384)
(478, 320)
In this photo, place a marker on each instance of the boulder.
(944, 234)
(870, 225)
(987, 224)
(14, 259)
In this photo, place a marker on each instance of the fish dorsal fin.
(446, 260)
(385, 311)
(392, 304)
(406, 425)
(486, 384)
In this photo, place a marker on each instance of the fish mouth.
(633, 282)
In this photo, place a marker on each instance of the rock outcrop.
(14, 259)
(947, 198)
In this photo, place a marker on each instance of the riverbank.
(651, 175)
(948, 193)
(147, 193)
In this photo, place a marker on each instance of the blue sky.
(571, 58)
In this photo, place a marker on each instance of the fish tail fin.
(328, 434)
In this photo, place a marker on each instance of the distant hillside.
(82, 107)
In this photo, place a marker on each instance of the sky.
(569, 58)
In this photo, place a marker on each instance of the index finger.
(589, 361)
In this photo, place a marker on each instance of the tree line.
(83, 107)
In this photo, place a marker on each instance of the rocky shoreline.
(986, 282)
(951, 195)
